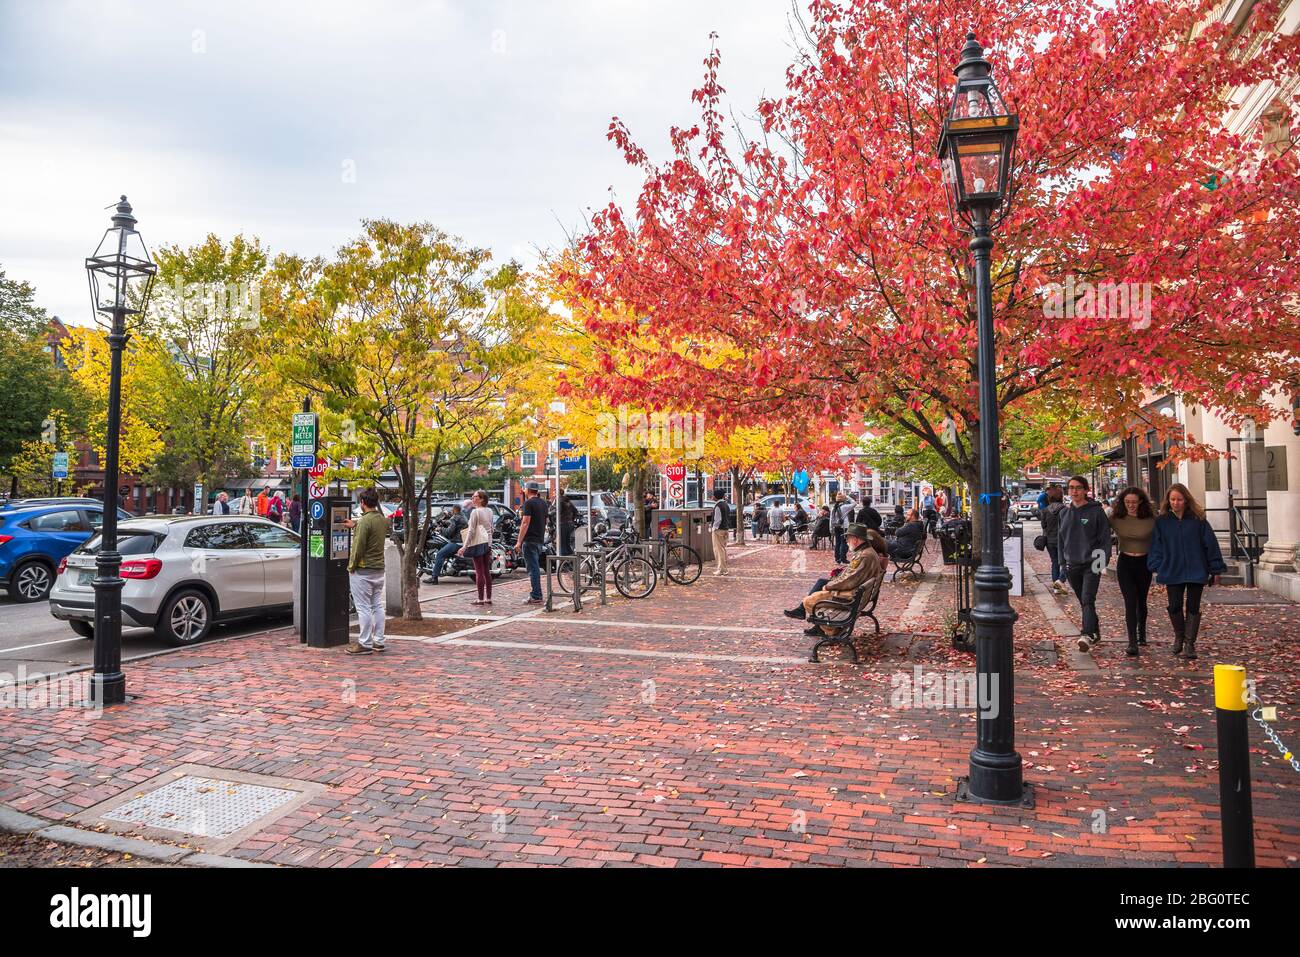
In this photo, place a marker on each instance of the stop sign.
(321, 465)
(676, 473)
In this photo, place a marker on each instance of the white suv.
(181, 574)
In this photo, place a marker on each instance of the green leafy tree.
(204, 326)
(414, 348)
(33, 386)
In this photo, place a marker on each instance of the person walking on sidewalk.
(532, 537)
(1185, 557)
(295, 513)
(1134, 523)
(1051, 520)
(477, 545)
(366, 574)
(1084, 543)
(723, 522)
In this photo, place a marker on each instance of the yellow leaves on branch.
(143, 403)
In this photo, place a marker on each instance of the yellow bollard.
(1236, 816)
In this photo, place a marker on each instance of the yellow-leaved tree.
(416, 351)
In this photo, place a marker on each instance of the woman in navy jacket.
(1185, 557)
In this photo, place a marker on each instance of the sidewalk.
(686, 729)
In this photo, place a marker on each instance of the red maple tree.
(815, 246)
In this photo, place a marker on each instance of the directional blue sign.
(574, 463)
(303, 461)
(317, 510)
(800, 481)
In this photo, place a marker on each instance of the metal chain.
(1282, 749)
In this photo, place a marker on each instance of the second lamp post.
(976, 149)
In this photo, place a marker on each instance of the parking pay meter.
(329, 545)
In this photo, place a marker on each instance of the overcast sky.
(486, 117)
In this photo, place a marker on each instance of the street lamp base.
(1026, 798)
(108, 688)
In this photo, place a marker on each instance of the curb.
(16, 822)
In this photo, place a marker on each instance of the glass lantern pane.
(104, 285)
(980, 169)
(109, 245)
(972, 101)
(135, 248)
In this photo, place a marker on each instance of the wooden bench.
(840, 616)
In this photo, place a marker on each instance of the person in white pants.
(366, 578)
(719, 525)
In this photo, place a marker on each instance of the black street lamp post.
(121, 278)
(977, 149)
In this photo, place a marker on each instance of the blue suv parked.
(34, 540)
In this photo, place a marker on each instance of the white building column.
(1283, 504)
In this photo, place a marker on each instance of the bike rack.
(601, 556)
(553, 564)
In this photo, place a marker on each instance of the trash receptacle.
(690, 526)
(954, 536)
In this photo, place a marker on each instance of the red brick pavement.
(491, 754)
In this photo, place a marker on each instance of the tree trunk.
(737, 506)
(637, 485)
(411, 541)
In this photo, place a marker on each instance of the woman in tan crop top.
(1134, 523)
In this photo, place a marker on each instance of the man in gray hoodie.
(1083, 542)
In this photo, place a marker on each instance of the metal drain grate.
(203, 807)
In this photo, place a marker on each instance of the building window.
(496, 462)
(528, 460)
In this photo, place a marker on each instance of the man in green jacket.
(366, 574)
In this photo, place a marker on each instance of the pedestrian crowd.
(1174, 545)
(273, 506)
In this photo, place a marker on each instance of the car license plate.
(85, 578)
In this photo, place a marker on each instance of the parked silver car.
(184, 573)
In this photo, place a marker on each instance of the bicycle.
(681, 563)
(633, 575)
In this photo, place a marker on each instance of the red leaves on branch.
(819, 251)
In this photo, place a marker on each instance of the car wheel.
(31, 582)
(84, 628)
(186, 618)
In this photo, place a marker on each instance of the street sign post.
(305, 447)
(571, 463)
(198, 498)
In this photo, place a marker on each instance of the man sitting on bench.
(864, 566)
(907, 540)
